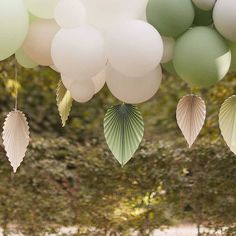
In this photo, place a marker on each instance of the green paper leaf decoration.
(124, 129)
(190, 115)
(64, 102)
(227, 122)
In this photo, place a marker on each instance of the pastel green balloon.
(169, 67)
(24, 60)
(201, 57)
(202, 18)
(14, 25)
(170, 17)
(232, 47)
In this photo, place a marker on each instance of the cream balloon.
(225, 18)
(79, 52)
(41, 8)
(39, 39)
(133, 90)
(82, 91)
(205, 5)
(134, 48)
(13, 27)
(70, 13)
(168, 54)
(24, 60)
(104, 14)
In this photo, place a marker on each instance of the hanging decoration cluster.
(124, 44)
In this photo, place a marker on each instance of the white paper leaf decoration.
(191, 114)
(227, 122)
(64, 102)
(16, 137)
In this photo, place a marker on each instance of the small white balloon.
(82, 91)
(133, 90)
(168, 54)
(38, 42)
(205, 5)
(104, 14)
(134, 48)
(225, 18)
(99, 80)
(41, 8)
(79, 52)
(70, 13)
(24, 60)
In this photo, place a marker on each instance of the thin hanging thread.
(16, 88)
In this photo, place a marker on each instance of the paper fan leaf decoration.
(123, 128)
(227, 122)
(191, 115)
(16, 137)
(64, 102)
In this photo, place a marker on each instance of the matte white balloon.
(70, 13)
(41, 8)
(168, 54)
(82, 91)
(133, 90)
(104, 14)
(14, 24)
(205, 5)
(134, 48)
(24, 60)
(79, 52)
(38, 42)
(225, 18)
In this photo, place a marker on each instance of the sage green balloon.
(14, 23)
(169, 67)
(24, 60)
(232, 47)
(170, 17)
(202, 18)
(201, 57)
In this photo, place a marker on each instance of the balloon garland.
(124, 44)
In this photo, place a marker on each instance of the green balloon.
(14, 23)
(24, 60)
(170, 17)
(232, 47)
(202, 18)
(169, 67)
(201, 57)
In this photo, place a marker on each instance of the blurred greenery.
(70, 178)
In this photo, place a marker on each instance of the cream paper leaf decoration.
(191, 114)
(64, 102)
(16, 137)
(227, 122)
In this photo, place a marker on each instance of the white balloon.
(134, 48)
(41, 8)
(168, 54)
(79, 52)
(224, 16)
(24, 60)
(205, 5)
(133, 90)
(82, 91)
(99, 80)
(104, 14)
(38, 42)
(70, 13)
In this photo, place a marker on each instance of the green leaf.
(227, 121)
(123, 128)
(64, 102)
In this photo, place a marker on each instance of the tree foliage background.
(70, 178)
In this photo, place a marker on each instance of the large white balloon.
(168, 54)
(79, 52)
(133, 90)
(41, 8)
(14, 23)
(134, 48)
(224, 16)
(82, 91)
(70, 13)
(104, 14)
(205, 5)
(38, 42)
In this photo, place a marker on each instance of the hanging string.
(16, 87)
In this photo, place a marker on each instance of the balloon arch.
(124, 44)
